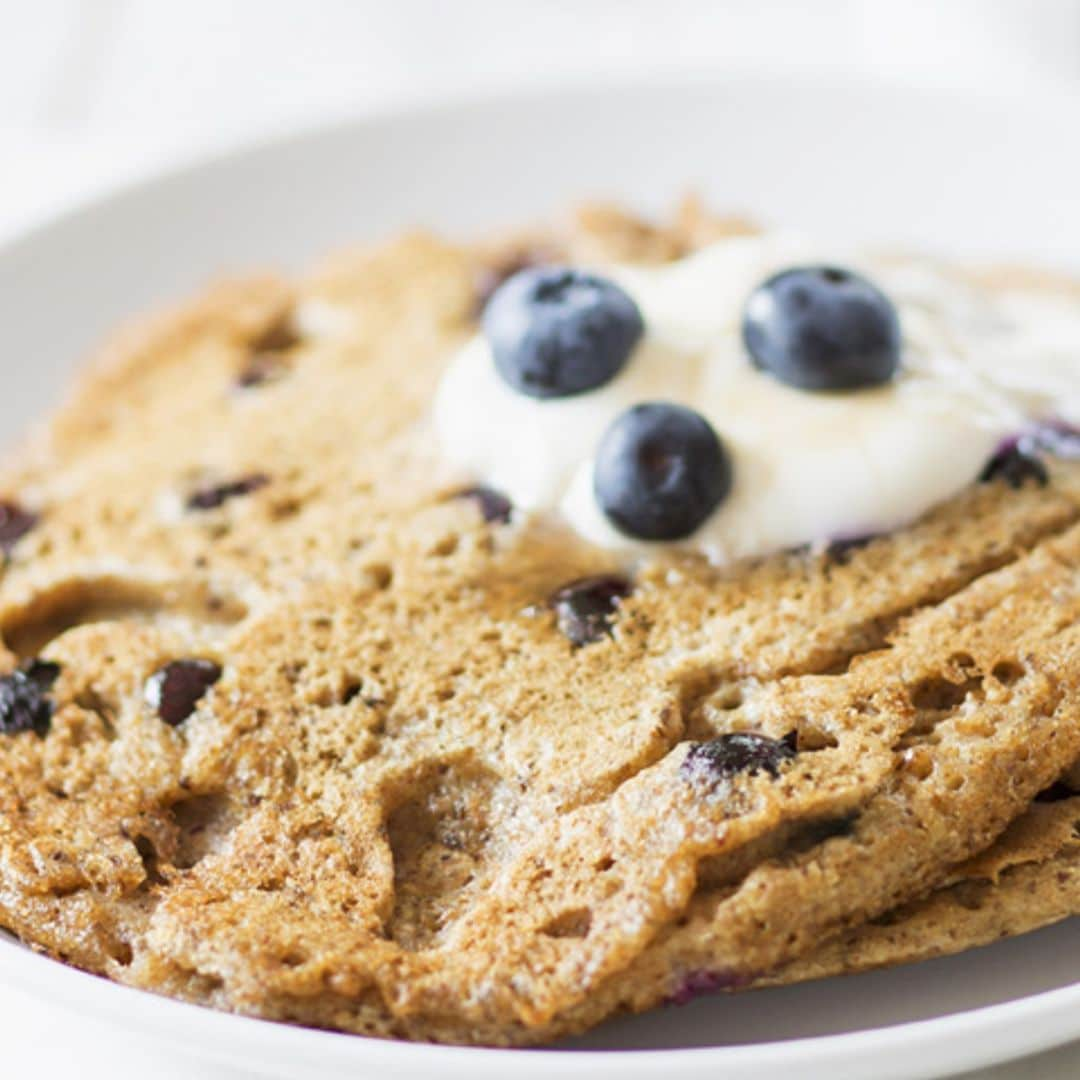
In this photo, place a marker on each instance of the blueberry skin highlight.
(24, 701)
(740, 752)
(555, 331)
(822, 328)
(660, 471)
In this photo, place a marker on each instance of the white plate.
(867, 161)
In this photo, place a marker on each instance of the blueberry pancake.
(465, 644)
(1028, 879)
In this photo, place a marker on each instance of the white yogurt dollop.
(808, 467)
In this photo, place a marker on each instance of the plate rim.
(179, 164)
(922, 1046)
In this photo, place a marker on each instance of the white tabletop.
(96, 91)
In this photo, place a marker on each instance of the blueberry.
(1015, 464)
(585, 609)
(739, 752)
(660, 471)
(493, 505)
(555, 331)
(15, 523)
(822, 328)
(696, 983)
(43, 673)
(210, 498)
(262, 368)
(175, 689)
(841, 549)
(24, 705)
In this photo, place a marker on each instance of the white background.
(93, 91)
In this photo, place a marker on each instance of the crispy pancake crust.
(411, 807)
(1028, 879)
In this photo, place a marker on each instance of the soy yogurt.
(977, 367)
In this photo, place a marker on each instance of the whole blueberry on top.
(660, 471)
(555, 331)
(822, 328)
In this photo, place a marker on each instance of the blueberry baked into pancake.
(465, 644)
(1029, 878)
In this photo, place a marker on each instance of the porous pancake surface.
(317, 748)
